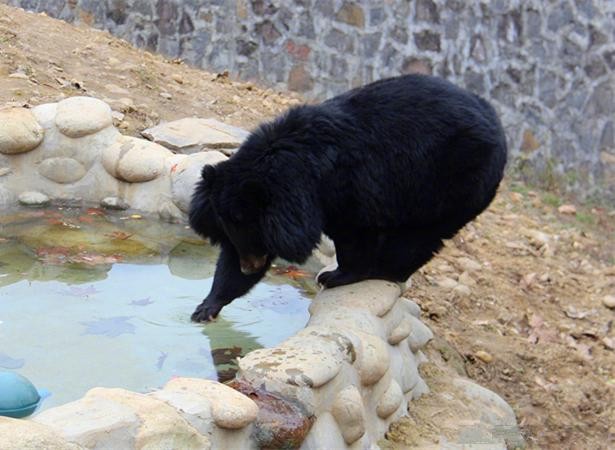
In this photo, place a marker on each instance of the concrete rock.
(311, 358)
(187, 173)
(420, 334)
(419, 389)
(114, 203)
(229, 408)
(27, 435)
(390, 400)
(372, 358)
(192, 134)
(376, 296)
(92, 422)
(80, 116)
(160, 425)
(6, 197)
(19, 131)
(33, 198)
(400, 332)
(62, 170)
(347, 410)
(46, 114)
(134, 160)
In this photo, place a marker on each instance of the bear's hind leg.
(403, 252)
(355, 252)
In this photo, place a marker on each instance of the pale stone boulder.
(27, 435)
(194, 134)
(62, 170)
(390, 400)
(400, 332)
(160, 425)
(33, 198)
(134, 160)
(420, 334)
(19, 131)
(311, 358)
(81, 116)
(230, 409)
(348, 412)
(92, 422)
(372, 358)
(376, 296)
(187, 173)
(45, 114)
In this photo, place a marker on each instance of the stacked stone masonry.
(548, 67)
(69, 152)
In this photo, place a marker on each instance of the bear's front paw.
(206, 312)
(337, 277)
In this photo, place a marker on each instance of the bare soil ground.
(516, 300)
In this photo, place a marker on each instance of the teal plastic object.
(18, 396)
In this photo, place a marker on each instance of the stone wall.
(548, 66)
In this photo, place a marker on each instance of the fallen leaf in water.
(142, 302)
(95, 212)
(291, 272)
(110, 327)
(77, 291)
(161, 359)
(119, 235)
(85, 219)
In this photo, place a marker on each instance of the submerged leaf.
(110, 326)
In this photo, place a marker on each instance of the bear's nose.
(252, 264)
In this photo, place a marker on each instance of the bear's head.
(261, 219)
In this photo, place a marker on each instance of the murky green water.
(89, 298)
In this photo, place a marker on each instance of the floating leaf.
(7, 362)
(291, 272)
(142, 302)
(77, 291)
(119, 235)
(161, 359)
(110, 326)
(95, 212)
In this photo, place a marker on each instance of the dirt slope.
(43, 60)
(516, 298)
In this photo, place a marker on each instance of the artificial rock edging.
(339, 383)
(70, 152)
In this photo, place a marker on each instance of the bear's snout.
(251, 264)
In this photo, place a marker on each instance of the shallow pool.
(89, 298)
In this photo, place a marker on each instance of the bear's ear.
(254, 192)
(209, 175)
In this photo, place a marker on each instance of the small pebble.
(483, 356)
(567, 209)
(177, 78)
(609, 301)
(166, 95)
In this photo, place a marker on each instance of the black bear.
(386, 171)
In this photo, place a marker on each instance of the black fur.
(387, 171)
